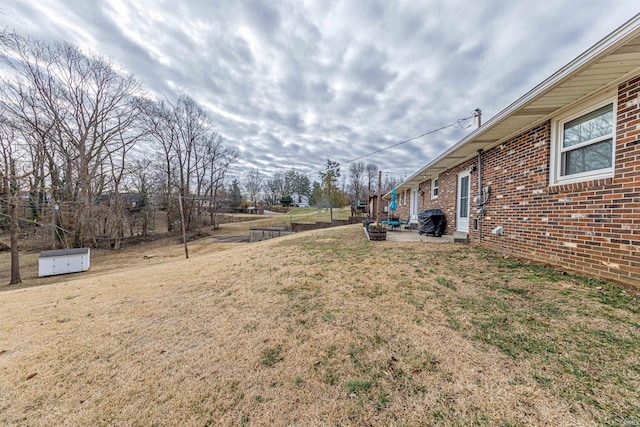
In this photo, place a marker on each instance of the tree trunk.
(145, 222)
(15, 256)
(119, 228)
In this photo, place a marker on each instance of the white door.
(414, 204)
(462, 211)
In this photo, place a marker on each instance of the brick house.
(554, 177)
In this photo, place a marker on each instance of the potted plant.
(377, 231)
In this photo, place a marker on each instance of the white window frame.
(557, 133)
(435, 189)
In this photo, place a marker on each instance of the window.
(584, 145)
(434, 188)
(404, 198)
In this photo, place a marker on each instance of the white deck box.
(63, 261)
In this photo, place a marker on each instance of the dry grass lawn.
(322, 329)
(163, 249)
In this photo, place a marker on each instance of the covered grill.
(432, 222)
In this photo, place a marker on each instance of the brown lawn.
(320, 328)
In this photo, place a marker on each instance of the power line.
(41, 224)
(457, 123)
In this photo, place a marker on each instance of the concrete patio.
(414, 236)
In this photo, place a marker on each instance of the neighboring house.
(255, 210)
(297, 198)
(554, 177)
(127, 200)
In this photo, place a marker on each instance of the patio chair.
(405, 224)
(393, 222)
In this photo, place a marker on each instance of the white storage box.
(63, 261)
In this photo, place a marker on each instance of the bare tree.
(162, 134)
(220, 159)
(119, 168)
(372, 176)
(274, 189)
(9, 186)
(141, 184)
(79, 104)
(195, 158)
(372, 179)
(253, 185)
(192, 124)
(80, 118)
(389, 183)
(356, 176)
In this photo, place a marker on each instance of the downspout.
(480, 203)
(481, 200)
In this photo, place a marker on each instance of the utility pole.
(379, 201)
(479, 116)
(53, 223)
(330, 181)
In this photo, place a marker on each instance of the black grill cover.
(432, 221)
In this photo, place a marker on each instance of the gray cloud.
(262, 15)
(293, 83)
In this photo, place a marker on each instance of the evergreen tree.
(235, 195)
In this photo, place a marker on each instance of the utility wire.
(457, 123)
(42, 224)
(56, 227)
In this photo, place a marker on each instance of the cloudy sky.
(292, 83)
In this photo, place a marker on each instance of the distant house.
(297, 198)
(128, 200)
(555, 176)
(255, 210)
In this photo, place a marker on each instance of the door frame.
(413, 207)
(462, 223)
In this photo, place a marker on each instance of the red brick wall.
(591, 227)
(447, 193)
(403, 210)
(446, 199)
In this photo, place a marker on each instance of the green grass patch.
(443, 281)
(358, 385)
(272, 355)
(328, 317)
